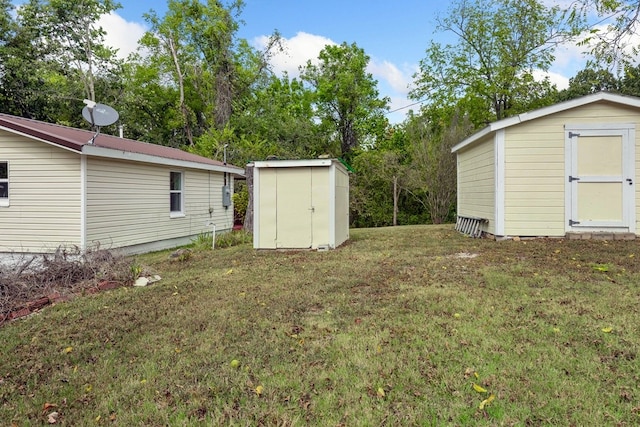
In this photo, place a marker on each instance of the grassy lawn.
(393, 328)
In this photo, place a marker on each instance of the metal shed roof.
(78, 140)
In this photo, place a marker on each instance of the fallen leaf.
(259, 390)
(52, 418)
(68, 350)
(229, 272)
(486, 402)
(98, 418)
(380, 392)
(479, 389)
(607, 330)
(48, 406)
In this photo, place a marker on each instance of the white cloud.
(398, 80)
(561, 81)
(297, 50)
(121, 34)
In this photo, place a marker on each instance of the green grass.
(401, 310)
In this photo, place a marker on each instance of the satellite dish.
(99, 114)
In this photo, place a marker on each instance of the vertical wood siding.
(476, 182)
(44, 196)
(535, 168)
(128, 203)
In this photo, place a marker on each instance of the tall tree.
(69, 29)
(490, 65)
(610, 35)
(194, 48)
(347, 101)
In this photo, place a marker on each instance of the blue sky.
(394, 33)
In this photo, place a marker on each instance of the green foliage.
(589, 81)
(233, 238)
(346, 97)
(487, 73)
(607, 29)
(241, 200)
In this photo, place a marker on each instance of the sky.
(394, 33)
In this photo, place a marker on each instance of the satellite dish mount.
(98, 115)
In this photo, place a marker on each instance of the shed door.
(294, 208)
(601, 180)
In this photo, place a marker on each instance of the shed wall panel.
(342, 206)
(267, 208)
(476, 182)
(321, 216)
(44, 196)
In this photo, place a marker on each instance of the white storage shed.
(300, 204)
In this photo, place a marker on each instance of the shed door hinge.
(572, 222)
(572, 134)
(573, 178)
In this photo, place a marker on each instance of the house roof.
(630, 101)
(103, 145)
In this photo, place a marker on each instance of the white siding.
(44, 196)
(128, 204)
(476, 182)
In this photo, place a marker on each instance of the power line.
(406, 106)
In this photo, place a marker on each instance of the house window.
(176, 193)
(4, 183)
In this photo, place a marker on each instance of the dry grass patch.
(393, 328)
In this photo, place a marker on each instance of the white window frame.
(4, 201)
(180, 191)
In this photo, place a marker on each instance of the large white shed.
(300, 204)
(567, 169)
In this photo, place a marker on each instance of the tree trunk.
(395, 201)
(183, 106)
(248, 216)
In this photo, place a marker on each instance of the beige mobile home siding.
(476, 182)
(128, 203)
(535, 168)
(44, 196)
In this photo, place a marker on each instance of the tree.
(347, 101)
(611, 46)
(68, 28)
(589, 81)
(433, 171)
(490, 66)
(196, 55)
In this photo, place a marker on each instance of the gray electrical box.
(226, 196)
